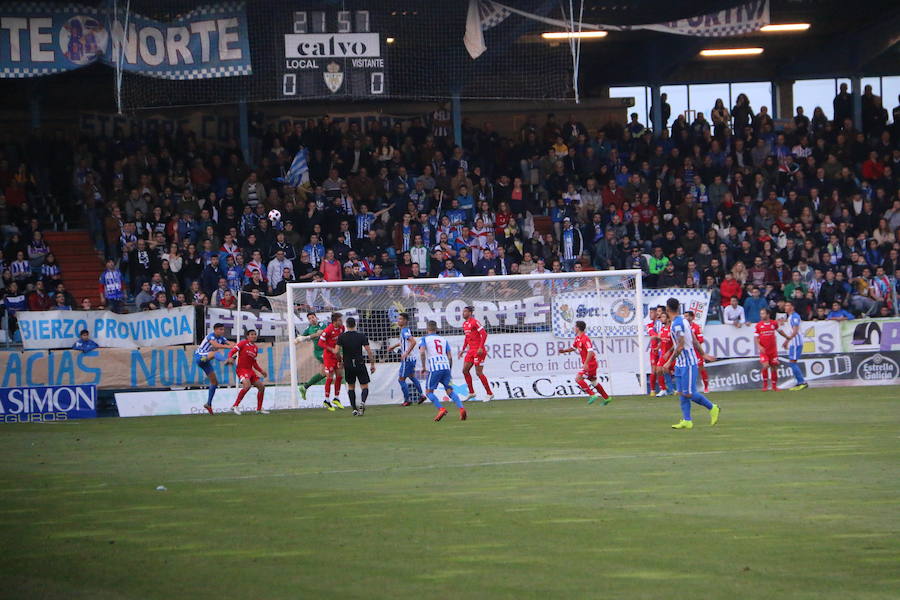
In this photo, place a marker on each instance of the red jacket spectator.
(730, 287)
(613, 195)
(331, 269)
(872, 169)
(38, 300)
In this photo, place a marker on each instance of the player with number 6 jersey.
(436, 359)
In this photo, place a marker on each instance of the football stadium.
(466, 299)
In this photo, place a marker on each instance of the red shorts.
(769, 357)
(250, 374)
(476, 357)
(654, 356)
(331, 361)
(589, 371)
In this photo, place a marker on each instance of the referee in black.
(352, 344)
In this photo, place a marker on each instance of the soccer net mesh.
(420, 54)
(529, 319)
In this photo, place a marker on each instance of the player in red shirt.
(767, 344)
(331, 360)
(588, 353)
(475, 339)
(247, 367)
(665, 350)
(698, 335)
(653, 328)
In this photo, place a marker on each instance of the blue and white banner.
(47, 404)
(612, 313)
(39, 38)
(60, 328)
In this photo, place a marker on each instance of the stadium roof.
(843, 40)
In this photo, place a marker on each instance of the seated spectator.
(838, 313)
(84, 344)
(39, 299)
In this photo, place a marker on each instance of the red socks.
(328, 386)
(487, 386)
(661, 380)
(704, 375)
(259, 398)
(774, 376)
(601, 391)
(584, 386)
(240, 396)
(468, 377)
(652, 382)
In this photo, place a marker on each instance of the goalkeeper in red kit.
(247, 367)
(474, 342)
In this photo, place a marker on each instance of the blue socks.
(702, 400)
(798, 375)
(417, 385)
(434, 399)
(210, 393)
(669, 382)
(456, 399)
(685, 408)
(404, 387)
(686, 404)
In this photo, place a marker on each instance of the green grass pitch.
(792, 495)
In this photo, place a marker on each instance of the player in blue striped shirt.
(684, 355)
(407, 360)
(436, 359)
(206, 351)
(793, 343)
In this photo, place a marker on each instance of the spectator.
(753, 304)
(730, 289)
(838, 313)
(734, 313)
(84, 344)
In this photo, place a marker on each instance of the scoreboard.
(333, 54)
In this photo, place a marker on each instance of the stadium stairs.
(79, 262)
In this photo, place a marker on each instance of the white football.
(274, 215)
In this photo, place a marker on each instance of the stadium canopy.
(421, 44)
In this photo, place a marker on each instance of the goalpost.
(529, 318)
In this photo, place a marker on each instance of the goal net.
(529, 319)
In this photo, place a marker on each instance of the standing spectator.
(753, 304)
(113, 288)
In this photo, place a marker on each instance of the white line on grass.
(500, 463)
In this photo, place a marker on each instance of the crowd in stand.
(756, 211)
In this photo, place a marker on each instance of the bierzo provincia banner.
(60, 328)
(41, 38)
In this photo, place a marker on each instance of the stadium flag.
(299, 172)
(739, 20)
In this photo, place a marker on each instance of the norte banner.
(866, 335)
(855, 368)
(41, 38)
(728, 341)
(40, 404)
(611, 313)
(60, 328)
(267, 324)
